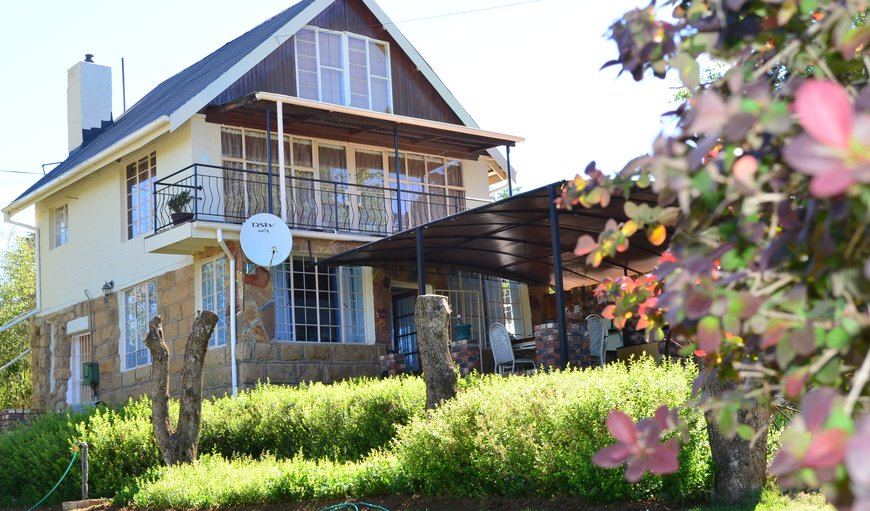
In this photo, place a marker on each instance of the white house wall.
(98, 249)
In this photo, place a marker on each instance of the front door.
(77, 392)
(405, 328)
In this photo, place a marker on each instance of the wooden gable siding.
(413, 95)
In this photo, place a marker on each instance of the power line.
(20, 172)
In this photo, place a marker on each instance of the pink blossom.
(835, 148)
(638, 445)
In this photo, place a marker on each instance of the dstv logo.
(261, 224)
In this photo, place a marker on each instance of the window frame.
(60, 236)
(122, 322)
(286, 308)
(199, 299)
(144, 224)
(346, 95)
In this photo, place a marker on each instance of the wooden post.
(433, 340)
(84, 448)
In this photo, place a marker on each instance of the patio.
(524, 238)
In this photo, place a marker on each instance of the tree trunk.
(179, 446)
(433, 339)
(740, 468)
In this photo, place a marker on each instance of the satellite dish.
(266, 240)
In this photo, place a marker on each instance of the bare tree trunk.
(433, 339)
(740, 467)
(179, 446)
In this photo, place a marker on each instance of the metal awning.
(305, 117)
(512, 238)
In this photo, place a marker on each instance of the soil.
(426, 503)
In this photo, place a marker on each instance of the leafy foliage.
(17, 297)
(768, 172)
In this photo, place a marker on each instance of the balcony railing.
(230, 195)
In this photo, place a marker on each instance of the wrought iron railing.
(230, 195)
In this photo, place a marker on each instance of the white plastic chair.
(502, 352)
(597, 328)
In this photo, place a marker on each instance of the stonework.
(11, 418)
(547, 349)
(466, 354)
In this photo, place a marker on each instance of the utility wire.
(20, 172)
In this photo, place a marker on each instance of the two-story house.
(325, 115)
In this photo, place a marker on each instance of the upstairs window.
(141, 176)
(61, 226)
(344, 69)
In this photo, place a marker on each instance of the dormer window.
(344, 69)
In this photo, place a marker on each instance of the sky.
(523, 67)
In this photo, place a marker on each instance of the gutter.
(8, 219)
(232, 326)
(23, 202)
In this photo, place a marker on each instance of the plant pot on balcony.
(181, 217)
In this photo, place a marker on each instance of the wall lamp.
(107, 289)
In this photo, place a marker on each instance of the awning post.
(421, 263)
(269, 157)
(557, 275)
(510, 185)
(398, 177)
(283, 185)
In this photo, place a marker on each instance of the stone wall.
(11, 418)
(175, 303)
(547, 343)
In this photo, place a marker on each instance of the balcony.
(230, 195)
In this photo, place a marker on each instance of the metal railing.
(230, 195)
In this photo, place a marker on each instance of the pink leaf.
(784, 463)
(857, 456)
(585, 244)
(831, 183)
(710, 113)
(709, 334)
(827, 449)
(825, 111)
(622, 427)
(794, 384)
(636, 468)
(664, 460)
(744, 170)
(809, 157)
(816, 407)
(648, 433)
(612, 456)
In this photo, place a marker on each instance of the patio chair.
(502, 351)
(597, 328)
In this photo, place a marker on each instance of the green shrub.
(34, 457)
(121, 446)
(217, 482)
(343, 421)
(520, 436)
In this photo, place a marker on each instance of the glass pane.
(454, 173)
(330, 49)
(378, 59)
(333, 192)
(330, 86)
(231, 143)
(380, 95)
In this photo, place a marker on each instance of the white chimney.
(89, 98)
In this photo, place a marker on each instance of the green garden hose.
(75, 454)
(355, 506)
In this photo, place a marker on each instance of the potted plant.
(177, 205)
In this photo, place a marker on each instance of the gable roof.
(178, 98)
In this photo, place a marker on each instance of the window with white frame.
(343, 68)
(319, 304)
(138, 307)
(61, 226)
(140, 177)
(213, 284)
(499, 299)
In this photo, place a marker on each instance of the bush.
(343, 421)
(523, 436)
(33, 459)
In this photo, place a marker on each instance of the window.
(213, 296)
(141, 176)
(61, 226)
(344, 69)
(336, 186)
(483, 301)
(317, 304)
(140, 305)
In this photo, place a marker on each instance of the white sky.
(529, 69)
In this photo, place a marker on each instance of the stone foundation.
(292, 363)
(392, 364)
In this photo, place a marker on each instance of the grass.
(774, 499)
